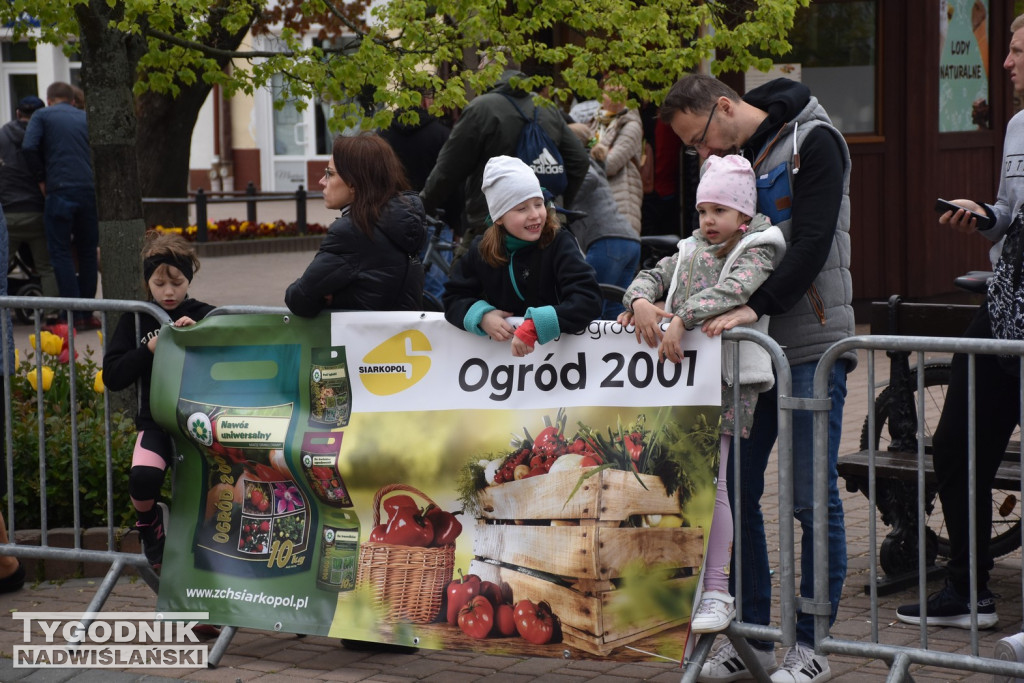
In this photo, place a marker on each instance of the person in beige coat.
(620, 142)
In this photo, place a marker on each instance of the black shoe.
(948, 608)
(13, 582)
(153, 537)
(371, 646)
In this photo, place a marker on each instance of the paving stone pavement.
(260, 279)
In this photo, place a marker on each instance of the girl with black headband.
(168, 265)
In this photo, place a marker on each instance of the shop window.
(835, 53)
(963, 65)
(18, 86)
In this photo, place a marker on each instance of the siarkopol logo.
(396, 364)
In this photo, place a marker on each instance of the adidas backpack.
(538, 151)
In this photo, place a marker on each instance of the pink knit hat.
(728, 181)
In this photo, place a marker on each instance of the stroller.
(23, 280)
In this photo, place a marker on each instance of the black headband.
(150, 265)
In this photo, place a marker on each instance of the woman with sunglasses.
(367, 261)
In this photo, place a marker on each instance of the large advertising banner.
(388, 477)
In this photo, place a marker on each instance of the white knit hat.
(728, 181)
(507, 182)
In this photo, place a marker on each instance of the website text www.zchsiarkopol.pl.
(261, 598)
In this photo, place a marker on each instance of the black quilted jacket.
(361, 273)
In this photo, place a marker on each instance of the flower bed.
(230, 230)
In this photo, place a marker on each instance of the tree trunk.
(108, 71)
(109, 63)
(165, 127)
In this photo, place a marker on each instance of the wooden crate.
(587, 551)
(548, 547)
(610, 495)
(584, 608)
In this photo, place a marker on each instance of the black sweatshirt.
(128, 358)
(817, 196)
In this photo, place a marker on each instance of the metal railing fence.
(900, 658)
(251, 197)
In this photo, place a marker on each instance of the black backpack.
(538, 151)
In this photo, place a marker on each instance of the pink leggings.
(153, 451)
(716, 565)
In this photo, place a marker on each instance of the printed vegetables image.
(409, 525)
(255, 536)
(459, 592)
(665, 450)
(483, 609)
(572, 518)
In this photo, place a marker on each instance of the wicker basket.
(407, 582)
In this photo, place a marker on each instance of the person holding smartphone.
(996, 388)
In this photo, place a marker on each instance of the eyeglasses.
(329, 173)
(692, 148)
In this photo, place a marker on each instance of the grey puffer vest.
(825, 314)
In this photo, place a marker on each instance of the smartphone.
(942, 206)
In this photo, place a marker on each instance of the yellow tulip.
(51, 343)
(100, 333)
(32, 340)
(97, 383)
(47, 378)
(17, 357)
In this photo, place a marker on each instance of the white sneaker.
(1009, 649)
(726, 665)
(801, 665)
(715, 612)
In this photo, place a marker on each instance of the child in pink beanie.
(715, 270)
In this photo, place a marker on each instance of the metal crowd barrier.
(784, 632)
(900, 658)
(118, 561)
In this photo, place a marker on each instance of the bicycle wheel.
(1006, 510)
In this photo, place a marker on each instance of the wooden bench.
(903, 467)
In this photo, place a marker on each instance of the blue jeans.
(615, 260)
(71, 222)
(757, 588)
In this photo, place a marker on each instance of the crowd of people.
(771, 250)
(786, 271)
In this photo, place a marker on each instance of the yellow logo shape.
(396, 364)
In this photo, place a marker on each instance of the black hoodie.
(817, 195)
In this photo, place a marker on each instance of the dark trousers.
(72, 227)
(997, 410)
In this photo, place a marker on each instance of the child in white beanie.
(523, 265)
(715, 271)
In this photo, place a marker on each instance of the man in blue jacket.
(56, 149)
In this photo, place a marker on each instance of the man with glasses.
(803, 182)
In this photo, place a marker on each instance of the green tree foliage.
(386, 58)
(402, 47)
